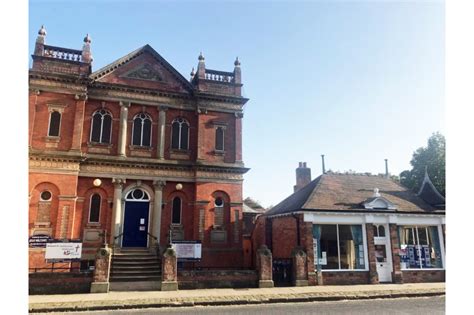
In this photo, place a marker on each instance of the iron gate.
(282, 272)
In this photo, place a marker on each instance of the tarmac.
(207, 297)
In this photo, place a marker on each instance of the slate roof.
(347, 192)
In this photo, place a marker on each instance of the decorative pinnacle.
(192, 73)
(201, 57)
(237, 62)
(42, 31)
(87, 39)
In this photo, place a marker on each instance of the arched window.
(180, 134)
(381, 231)
(94, 210)
(176, 211)
(220, 138)
(54, 124)
(141, 130)
(101, 126)
(376, 232)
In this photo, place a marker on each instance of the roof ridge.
(320, 177)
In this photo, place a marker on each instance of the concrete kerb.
(226, 300)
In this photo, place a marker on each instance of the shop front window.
(341, 247)
(419, 247)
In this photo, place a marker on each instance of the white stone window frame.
(55, 108)
(107, 112)
(90, 210)
(147, 116)
(180, 146)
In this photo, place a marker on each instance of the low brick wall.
(200, 279)
(345, 277)
(414, 276)
(59, 283)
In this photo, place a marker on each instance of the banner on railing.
(67, 251)
(187, 250)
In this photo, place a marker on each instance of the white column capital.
(118, 182)
(124, 105)
(159, 184)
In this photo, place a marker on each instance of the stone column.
(161, 132)
(397, 275)
(264, 267)
(122, 143)
(116, 210)
(300, 271)
(373, 275)
(101, 271)
(157, 205)
(78, 122)
(169, 270)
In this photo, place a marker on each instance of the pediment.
(379, 203)
(143, 68)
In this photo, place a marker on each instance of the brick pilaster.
(373, 275)
(397, 275)
(78, 122)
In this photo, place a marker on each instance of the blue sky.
(356, 81)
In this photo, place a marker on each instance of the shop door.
(135, 229)
(384, 267)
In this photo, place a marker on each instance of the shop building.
(134, 154)
(354, 229)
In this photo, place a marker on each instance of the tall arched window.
(176, 211)
(220, 138)
(180, 134)
(94, 210)
(54, 124)
(141, 130)
(101, 126)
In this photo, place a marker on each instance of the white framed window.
(180, 134)
(420, 247)
(101, 127)
(339, 246)
(141, 131)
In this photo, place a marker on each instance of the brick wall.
(284, 236)
(200, 279)
(413, 276)
(59, 283)
(345, 277)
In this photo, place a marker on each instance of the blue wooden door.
(135, 226)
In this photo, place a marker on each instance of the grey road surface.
(429, 305)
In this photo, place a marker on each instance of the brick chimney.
(303, 176)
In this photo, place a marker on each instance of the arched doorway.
(136, 217)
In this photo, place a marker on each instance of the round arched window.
(45, 196)
(219, 202)
(138, 195)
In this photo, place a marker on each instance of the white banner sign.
(189, 250)
(63, 251)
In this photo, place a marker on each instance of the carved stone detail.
(144, 72)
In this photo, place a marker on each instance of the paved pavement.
(158, 299)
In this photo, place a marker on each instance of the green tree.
(432, 157)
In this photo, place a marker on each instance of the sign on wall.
(63, 251)
(39, 241)
(187, 250)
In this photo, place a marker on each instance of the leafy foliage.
(432, 157)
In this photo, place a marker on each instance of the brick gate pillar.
(264, 267)
(299, 266)
(397, 275)
(169, 270)
(373, 275)
(101, 271)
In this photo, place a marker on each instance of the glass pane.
(106, 129)
(146, 133)
(381, 231)
(176, 215)
(376, 231)
(137, 131)
(351, 247)
(137, 194)
(175, 136)
(380, 253)
(329, 257)
(219, 139)
(184, 136)
(45, 195)
(54, 124)
(423, 237)
(434, 258)
(95, 208)
(96, 122)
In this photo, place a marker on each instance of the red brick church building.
(135, 153)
